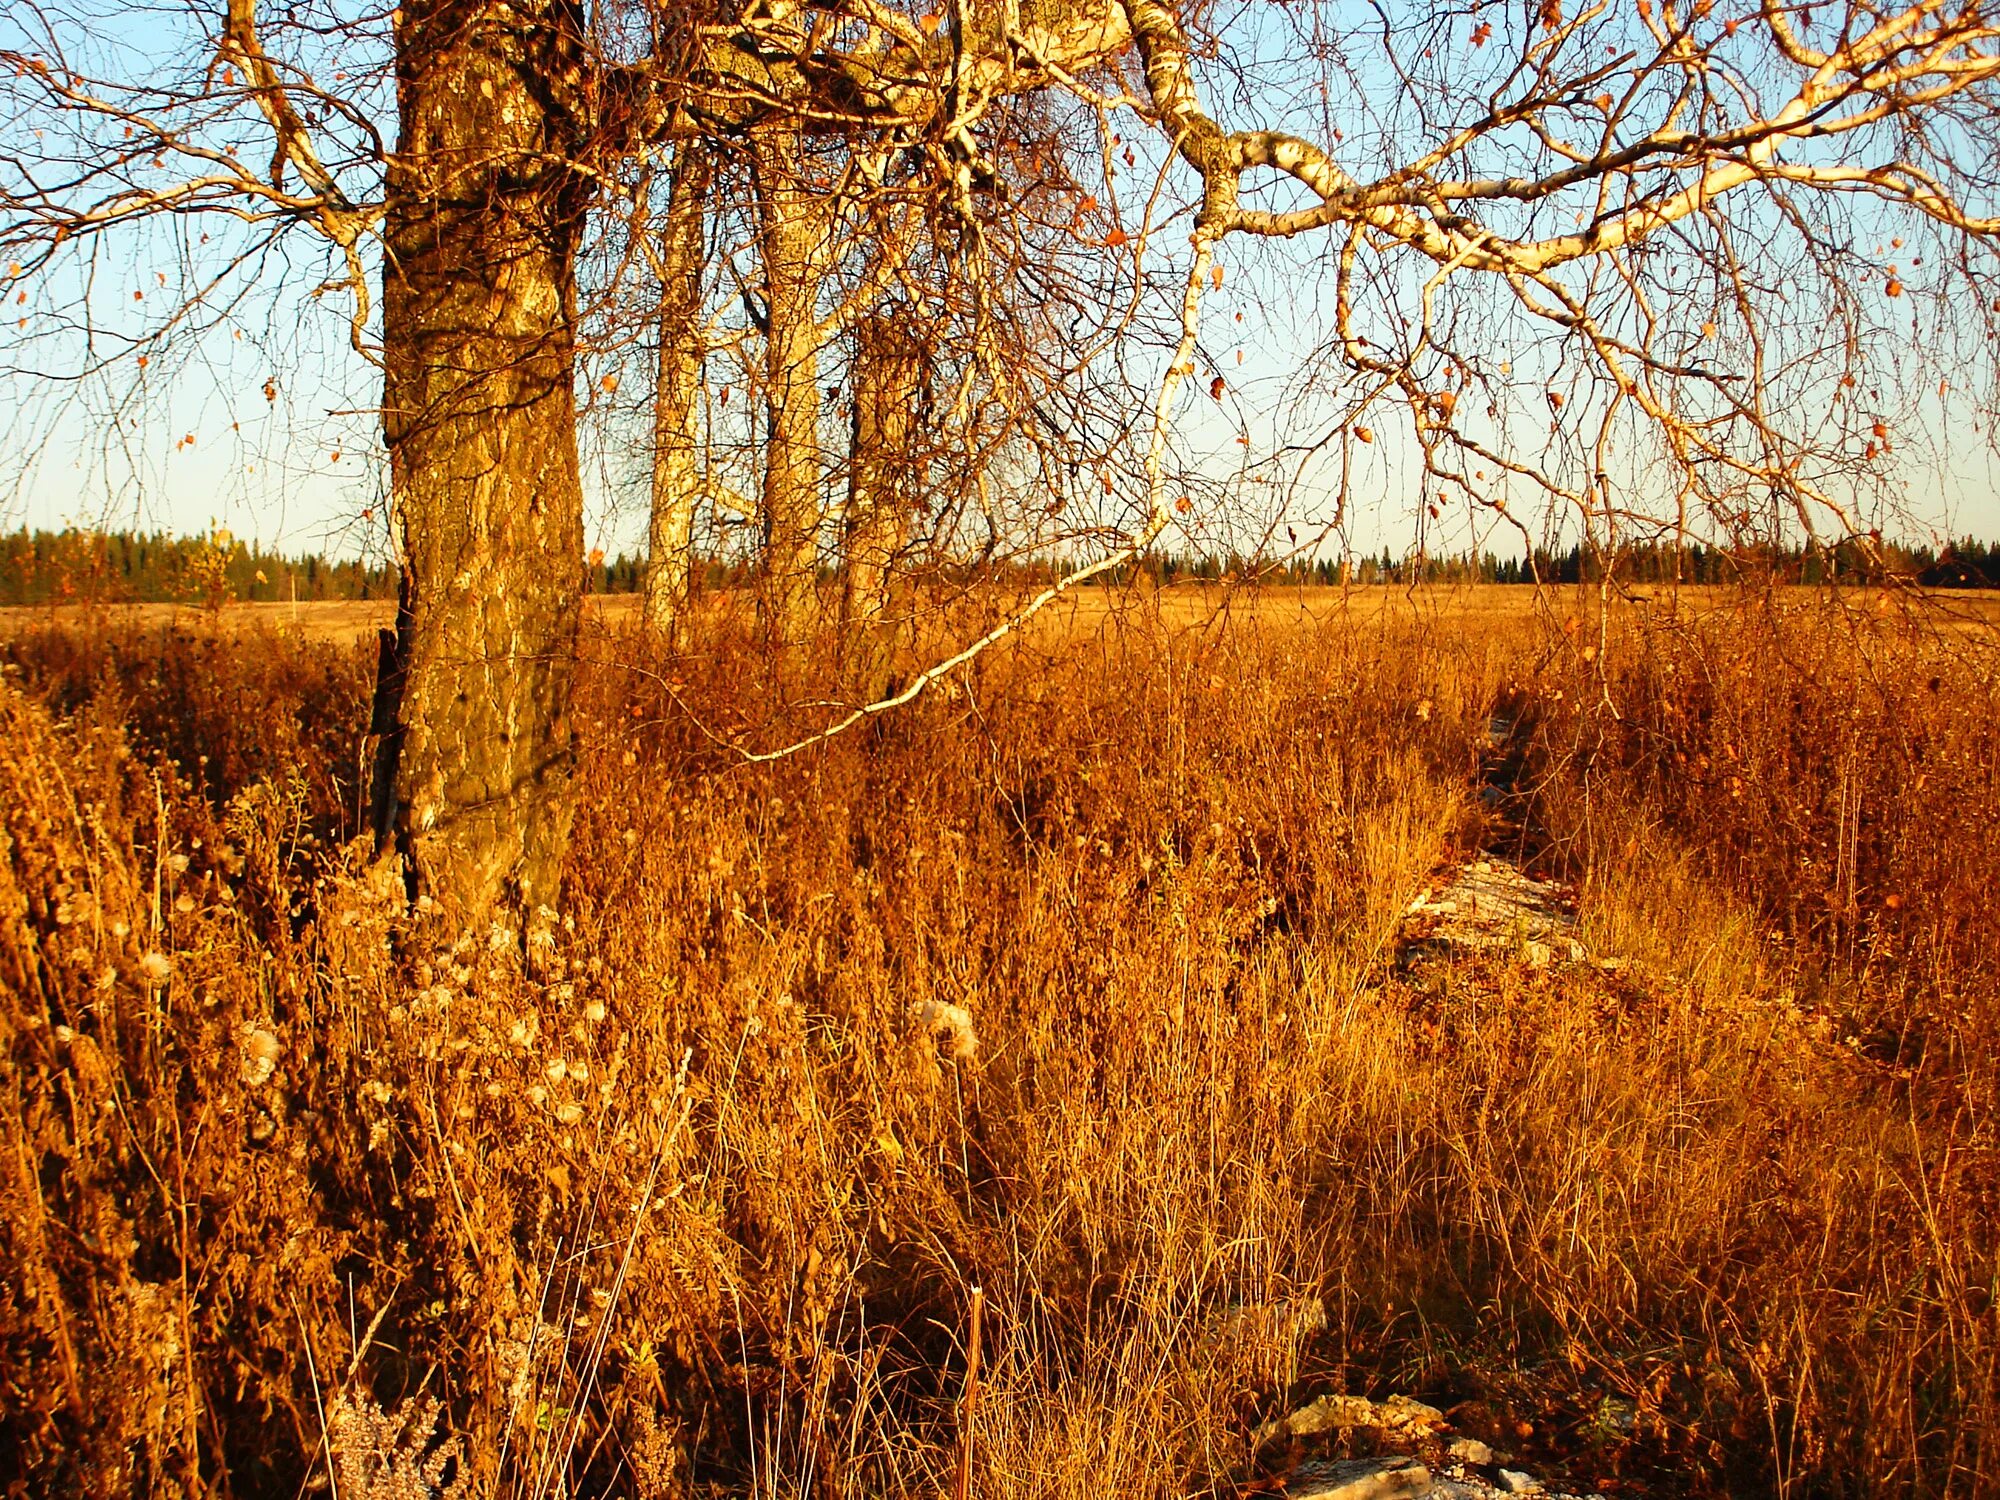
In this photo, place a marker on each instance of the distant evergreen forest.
(126, 567)
(75, 566)
(1964, 564)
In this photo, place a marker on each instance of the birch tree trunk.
(884, 471)
(483, 218)
(676, 448)
(788, 225)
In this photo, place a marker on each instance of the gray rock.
(1362, 1479)
(1406, 1412)
(1514, 1482)
(1400, 1414)
(1470, 1451)
(1330, 1412)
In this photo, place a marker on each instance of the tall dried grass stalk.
(702, 1203)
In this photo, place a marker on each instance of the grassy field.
(1464, 608)
(1076, 981)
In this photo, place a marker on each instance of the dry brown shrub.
(1834, 769)
(1072, 982)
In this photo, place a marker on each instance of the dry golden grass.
(1184, 604)
(341, 620)
(1074, 982)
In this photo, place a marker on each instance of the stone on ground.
(1493, 905)
(1362, 1479)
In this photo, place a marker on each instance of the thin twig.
(963, 1490)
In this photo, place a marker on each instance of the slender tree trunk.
(789, 229)
(676, 449)
(483, 219)
(883, 468)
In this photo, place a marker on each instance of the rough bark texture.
(789, 226)
(676, 449)
(479, 413)
(485, 206)
(884, 469)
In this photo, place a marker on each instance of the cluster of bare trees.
(912, 288)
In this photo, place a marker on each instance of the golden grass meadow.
(1077, 981)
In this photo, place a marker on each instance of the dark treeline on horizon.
(129, 567)
(74, 567)
(1968, 563)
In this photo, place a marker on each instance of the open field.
(1182, 603)
(1080, 980)
(350, 620)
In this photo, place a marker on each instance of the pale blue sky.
(278, 406)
